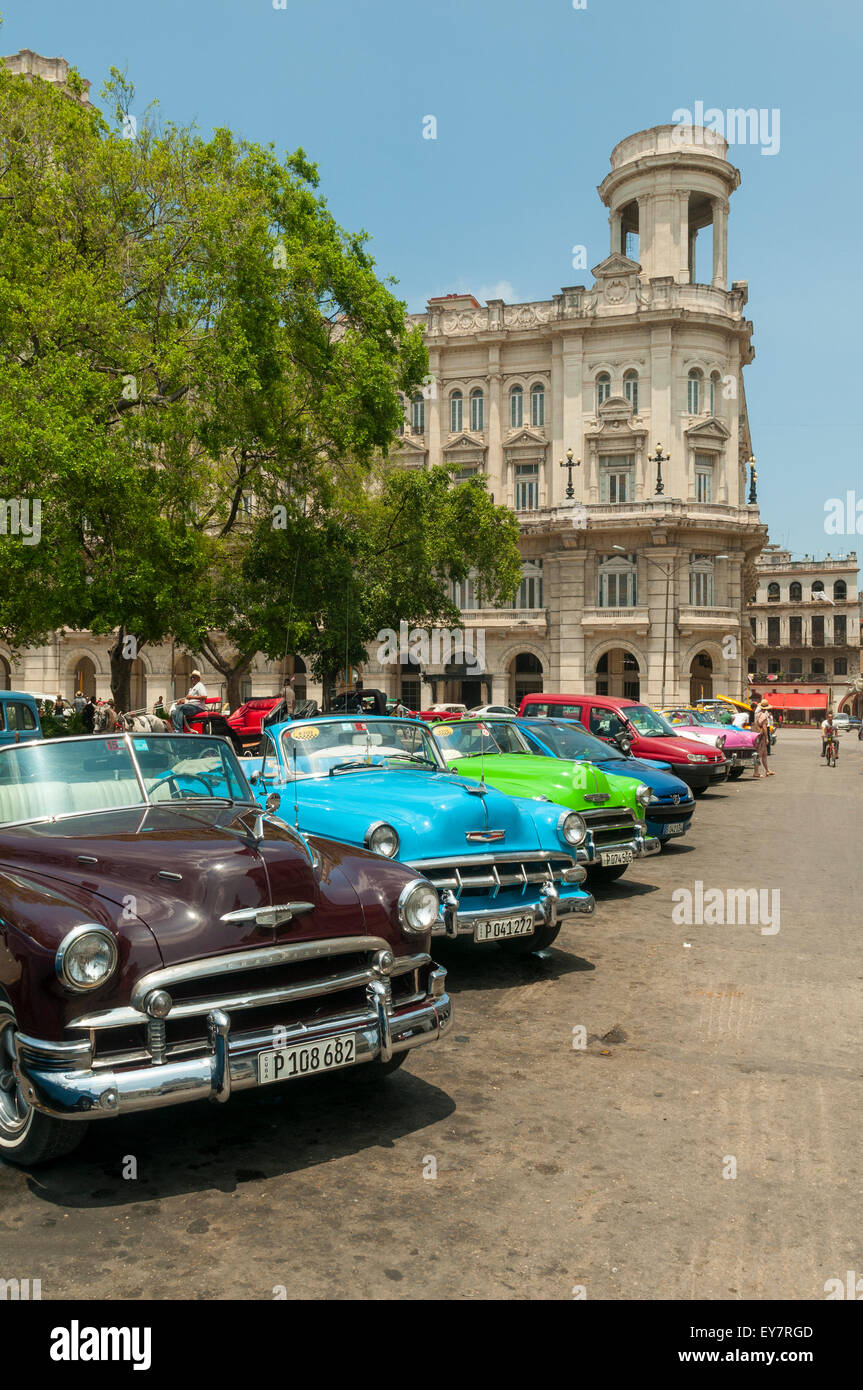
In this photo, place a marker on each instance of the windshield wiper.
(345, 767)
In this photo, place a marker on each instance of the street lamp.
(753, 481)
(659, 458)
(569, 463)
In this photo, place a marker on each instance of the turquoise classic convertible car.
(506, 867)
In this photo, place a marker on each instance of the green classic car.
(612, 807)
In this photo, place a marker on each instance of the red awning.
(781, 699)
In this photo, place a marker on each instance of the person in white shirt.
(194, 704)
(828, 731)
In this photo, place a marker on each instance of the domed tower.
(666, 185)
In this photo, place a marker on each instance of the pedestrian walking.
(762, 728)
(88, 714)
(289, 698)
(79, 702)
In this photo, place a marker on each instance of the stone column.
(614, 221)
(495, 463)
(720, 243)
(433, 407)
(573, 357)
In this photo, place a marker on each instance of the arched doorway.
(182, 673)
(294, 666)
(618, 675)
(525, 676)
(84, 677)
(5, 674)
(701, 677)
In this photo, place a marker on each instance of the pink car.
(739, 745)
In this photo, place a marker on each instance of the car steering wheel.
(171, 778)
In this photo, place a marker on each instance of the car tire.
(607, 874)
(27, 1137)
(526, 945)
(370, 1073)
(736, 773)
(698, 791)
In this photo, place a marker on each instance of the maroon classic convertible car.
(163, 939)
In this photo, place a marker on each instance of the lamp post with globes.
(569, 463)
(659, 458)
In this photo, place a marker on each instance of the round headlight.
(383, 839)
(643, 794)
(86, 958)
(419, 905)
(572, 828)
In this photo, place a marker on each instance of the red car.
(248, 719)
(164, 938)
(647, 733)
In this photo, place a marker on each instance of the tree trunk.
(232, 670)
(121, 672)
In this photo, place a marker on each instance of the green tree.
(182, 324)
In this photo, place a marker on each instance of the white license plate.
(676, 828)
(611, 857)
(499, 928)
(307, 1059)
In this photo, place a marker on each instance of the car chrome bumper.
(640, 846)
(53, 1084)
(555, 901)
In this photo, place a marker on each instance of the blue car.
(506, 867)
(670, 810)
(19, 717)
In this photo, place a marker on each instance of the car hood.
(215, 865)
(432, 811)
(559, 779)
(665, 783)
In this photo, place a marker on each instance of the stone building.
(634, 583)
(805, 623)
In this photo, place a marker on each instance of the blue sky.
(529, 100)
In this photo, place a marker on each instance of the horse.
(105, 720)
(140, 722)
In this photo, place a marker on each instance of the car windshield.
(471, 740)
(315, 750)
(648, 722)
(568, 741)
(63, 777)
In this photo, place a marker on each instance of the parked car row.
(178, 922)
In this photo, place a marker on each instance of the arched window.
(630, 389)
(840, 590)
(418, 413)
(5, 674)
(477, 410)
(818, 586)
(795, 666)
(618, 581)
(818, 667)
(715, 380)
(751, 666)
(693, 393)
(455, 412)
(537, 405)
(403, 404)
(772, 593)
(516, 408)
(795, 592)
(603, 388)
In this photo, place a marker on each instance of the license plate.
(676, 828)
(615, 856)
(499, 928)
(306, 1059)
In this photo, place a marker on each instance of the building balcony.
(621, 619)
(691, 618)
(507, 619)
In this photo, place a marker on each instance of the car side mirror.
(274, 801)
(253, 776)
(623, 742)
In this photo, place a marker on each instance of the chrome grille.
(610, 827)
(484, 875)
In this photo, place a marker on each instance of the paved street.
(602, 1167)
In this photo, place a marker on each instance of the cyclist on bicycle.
(828, 732)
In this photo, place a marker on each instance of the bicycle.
(832, 751)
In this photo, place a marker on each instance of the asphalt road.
(505, 1162)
